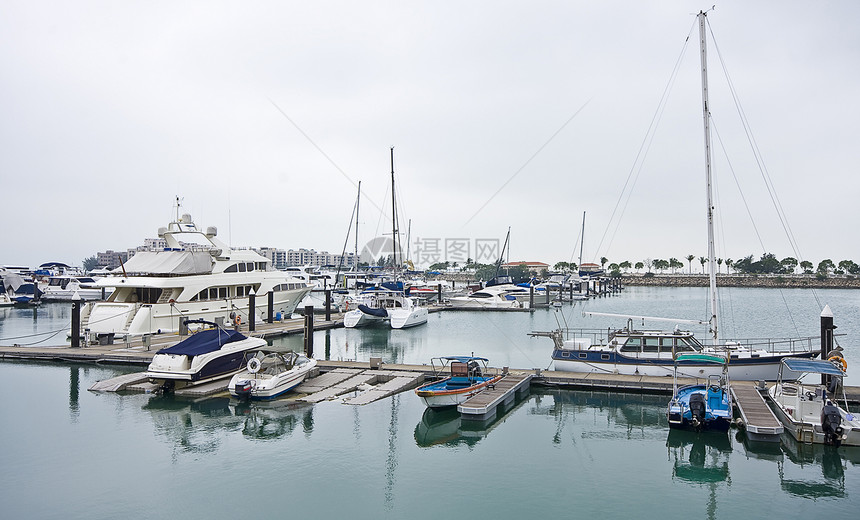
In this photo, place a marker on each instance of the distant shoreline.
(749, 280)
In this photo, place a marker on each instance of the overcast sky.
(263, 116)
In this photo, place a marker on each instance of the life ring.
(839, 361)
(254, 365)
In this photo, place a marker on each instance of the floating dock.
(484, 405)
(758, 419)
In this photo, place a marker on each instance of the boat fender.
(839, 361)
(254, 365)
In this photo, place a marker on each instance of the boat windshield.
(648, 343)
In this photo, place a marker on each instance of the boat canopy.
(170, 262)
(700, 358)
(815, 366)
(203, 342)
(464, 359)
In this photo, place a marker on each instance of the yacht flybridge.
(195, 277)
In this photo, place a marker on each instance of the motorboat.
(64, 287)
(698, 406)
(489, 298)
(809, 410)
(381, 305)
(631, 351)
(461, 378)
(270, 375)
(204, 356)
(195, 277)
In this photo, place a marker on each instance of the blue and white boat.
(205, 356)
(468, 376)
(701, 406)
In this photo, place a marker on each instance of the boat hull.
(183, 369)
(271, 388)
(800, 413)
(610, 362)
(157, 318)
(717, 412)
(441, 395)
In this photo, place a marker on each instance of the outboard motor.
(243, 389)
(474, 369)
(831, 424)
(697, 410)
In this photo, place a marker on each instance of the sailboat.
(387, 303)
(654, 352)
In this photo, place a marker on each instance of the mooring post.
(270, 307)
(76, 320)
(309, 330)
(252, 311)
(327, 304)
(439, 292)
(827, 327)
(531, 296)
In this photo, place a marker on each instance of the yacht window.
(632, 345)
(261, 266)
(650, 344)
(243, 268)
(147, 294)
(481, 295)
(604, 357)
(232, 269)
(86, 280)
(583, 355)
(250, 266)
(213, 293)
(240, 291)
(666, 344)
(194, 298)
(222, 292)
(684, 345)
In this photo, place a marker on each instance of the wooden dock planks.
(484, 404)
(760, 422)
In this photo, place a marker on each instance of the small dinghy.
(270, 375)
(468, 375)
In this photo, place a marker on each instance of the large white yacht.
(195, 277)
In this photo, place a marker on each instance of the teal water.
(70, 453)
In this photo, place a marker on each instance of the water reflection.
(701, 458)
(74, 392)
(445, 427)
(606, 415)
(192, 426)
(271, 420)
(827, 457)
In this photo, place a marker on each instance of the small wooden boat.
(701, 406)
(468, 375)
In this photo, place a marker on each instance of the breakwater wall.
(726, 280)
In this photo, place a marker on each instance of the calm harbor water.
(70, 453)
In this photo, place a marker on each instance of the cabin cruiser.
(630, 351)
(204, 356)
(269, 375)
(384, 305)
(810, 411)
(195, 277)
(493, 297)
(64, 287)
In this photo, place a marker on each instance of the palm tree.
(603, 261)
(729, 263)
(702, 260)
(719, 263)
(690, 259)
(639, 265)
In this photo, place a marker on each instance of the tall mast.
(394, 237)
(581, 242)
(706, 113)
(357, 201)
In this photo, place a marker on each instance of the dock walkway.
(758, 419)
(484, 405)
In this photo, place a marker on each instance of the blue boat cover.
(815, 366)
(463, 359)
(203, 342)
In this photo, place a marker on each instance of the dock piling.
(76, 321)
(309, 330)
(270, 307)
(252, 312)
